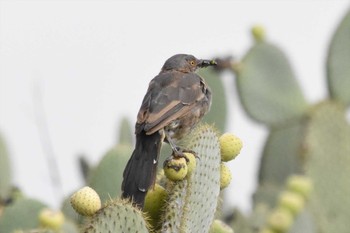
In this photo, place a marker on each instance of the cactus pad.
(338, 69)
(199, 194)
(106, 178)
(117, 216)
(281, 159)
(23, 214)
(328, 165)
(267, 86)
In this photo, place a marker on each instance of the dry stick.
(46, 143)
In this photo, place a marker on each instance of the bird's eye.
(192, 62)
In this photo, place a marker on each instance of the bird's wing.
(169, 96)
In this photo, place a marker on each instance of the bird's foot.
(180, 153)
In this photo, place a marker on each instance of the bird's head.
(185, 63)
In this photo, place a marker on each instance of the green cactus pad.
(328, 165)
(203, 186)
(281, 155)
(240, 222)
(303, 223)
(267, 86)
(5, 172)
(174, 208)
(281, 158)
(338, 69)
(218, 112)
(267, 193)
(117, 216)
(106, 178)
(21, 215)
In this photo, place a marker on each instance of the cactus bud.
(86, 201)
(225, 176)
(230, 146)
(175, 169)
(51, 219)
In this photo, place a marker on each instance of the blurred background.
(71, 70)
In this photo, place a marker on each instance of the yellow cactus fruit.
(175, 169)
(300, 184)
(225, 176)
(258, 33)
(291, 201)
(154, 202)
(51, 219)
(191, 163)
(219, 226)
(280, 220)
(230, 146)
(86, 201)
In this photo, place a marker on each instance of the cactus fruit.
(117, 216)
(175, 169)
(154, 203)
(291, 201)
(191, 163)
(86, 201)
(258, 33)
(280, 220)
(51, 219)
(225, 176)
(230, 146)
(219, 226)
(300, 184)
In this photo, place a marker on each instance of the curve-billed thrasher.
(176, 100)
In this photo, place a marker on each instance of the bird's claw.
(180, 153)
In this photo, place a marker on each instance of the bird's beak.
(206, 63)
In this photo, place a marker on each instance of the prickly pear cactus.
(174, 208)
(279, 160)
(328, 165)
(23, 214)
(117, 216)
(338, 69)
(267, 86)
(303, 139)
(193, 202)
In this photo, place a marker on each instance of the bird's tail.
(140, 171)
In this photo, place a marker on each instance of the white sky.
(92, 61)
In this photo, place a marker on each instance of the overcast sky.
(89, 63)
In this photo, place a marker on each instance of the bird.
(176, 100)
